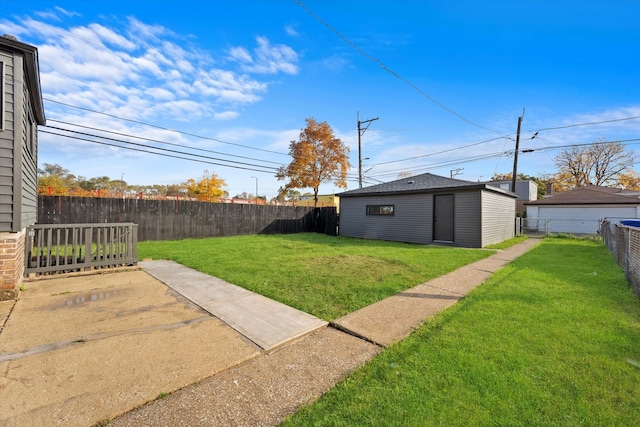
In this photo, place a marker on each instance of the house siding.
(7, 137)
(18, 149)
(498, 218)
(27, 169)
(411, 222)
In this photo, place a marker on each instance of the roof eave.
(33, 75)
(479, 186)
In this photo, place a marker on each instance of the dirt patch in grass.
(363, 267)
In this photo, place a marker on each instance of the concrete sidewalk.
(266, 389)
(264, 321)
(393, 318)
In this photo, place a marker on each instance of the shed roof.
(589, 195)
(30, 54)
(423, 183)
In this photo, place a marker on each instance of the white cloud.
(226, 115)
(266, 59)
(240, 54)
(51, 15)
(66, 12)
(160, 94)
(145, 33)
(146, 74)
(111, 37)
(291, 31)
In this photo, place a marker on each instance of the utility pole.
(361, 131)
(515, 155)
(256, 178)
(455, 172)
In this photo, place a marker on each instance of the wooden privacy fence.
(182, 219)
(77, 247)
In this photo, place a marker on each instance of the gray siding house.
(429, 209)
(20, 114)
(21, 111)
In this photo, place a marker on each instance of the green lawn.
(326, 276)
(551, 339)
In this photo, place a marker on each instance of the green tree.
(55, 180)
(318, 157)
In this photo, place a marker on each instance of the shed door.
(443, 217)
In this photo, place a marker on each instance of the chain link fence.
(624, 242)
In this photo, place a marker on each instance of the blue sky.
(447, 80)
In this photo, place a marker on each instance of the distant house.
(429, 209)
(580, 210)
(526, 189)
(21, 111)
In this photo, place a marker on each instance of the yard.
(326, 276)
(551, 339)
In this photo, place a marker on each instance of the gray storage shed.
(429, 209)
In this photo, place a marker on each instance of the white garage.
(580, 210)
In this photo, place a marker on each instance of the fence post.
(627, 253)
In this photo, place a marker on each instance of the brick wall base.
(12, 259)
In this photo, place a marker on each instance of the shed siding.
(498, 218)
(7, 144)
(411, 222)
(467, 219)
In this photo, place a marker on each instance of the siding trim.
(19, 133)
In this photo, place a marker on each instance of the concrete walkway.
(393, 318)
(264, 321)
(266, 389)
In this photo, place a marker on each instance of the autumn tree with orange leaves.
(318, 157)
(208, 188)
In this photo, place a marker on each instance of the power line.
(158, 141)
(557, 147)
(426, 167)
(439, 152)
(390, 71)
(251, 167)
(146, 149)
(164, 128)
(589, 123)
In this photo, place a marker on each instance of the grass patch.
(508, 243)
(326, 276)
(551, 339)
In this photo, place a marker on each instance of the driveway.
(78, 350)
